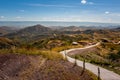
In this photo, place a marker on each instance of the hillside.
(36, 29)
(42, 44)
(30, 32)
(116, 29)
(36, 67)
(7, 43)
(5, 30)
(70, 28)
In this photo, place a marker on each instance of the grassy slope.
(34, 67)
(106, 55)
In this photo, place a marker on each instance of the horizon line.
(59, 21)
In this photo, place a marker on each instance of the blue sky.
(60, 10)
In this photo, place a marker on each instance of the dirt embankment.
(29, 67)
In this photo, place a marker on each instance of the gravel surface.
(105, 74)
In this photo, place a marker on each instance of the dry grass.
(45, 53)
(32, 67)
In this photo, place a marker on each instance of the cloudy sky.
(60, 10)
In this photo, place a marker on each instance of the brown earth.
(29, 67)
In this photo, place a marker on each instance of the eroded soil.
(29, 67)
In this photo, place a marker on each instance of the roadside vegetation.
(39, 64)
(52, 55)
(106, 55)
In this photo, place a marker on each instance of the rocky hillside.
(30, 32)
(36, 29)
(22, 67)
(5, 30)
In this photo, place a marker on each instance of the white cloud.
(119, 15)
(115, 14)
(86, 2)
(18, 17)
(107, 12)
(2, 17)
(83, 1)
(59, 18)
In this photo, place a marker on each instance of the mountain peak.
(32, 31)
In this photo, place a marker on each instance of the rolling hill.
(5, 30)
(30, 32)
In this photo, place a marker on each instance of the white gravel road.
(104, 73)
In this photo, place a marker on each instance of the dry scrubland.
(34, 64)
(32, 53)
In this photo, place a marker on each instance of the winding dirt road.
(105, 74)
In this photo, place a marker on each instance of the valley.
(36, 50)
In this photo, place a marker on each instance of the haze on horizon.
(105, 11)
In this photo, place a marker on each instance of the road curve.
(104, 73)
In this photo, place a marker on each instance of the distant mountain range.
(116, 29)
(40, 31)
(77, 28)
